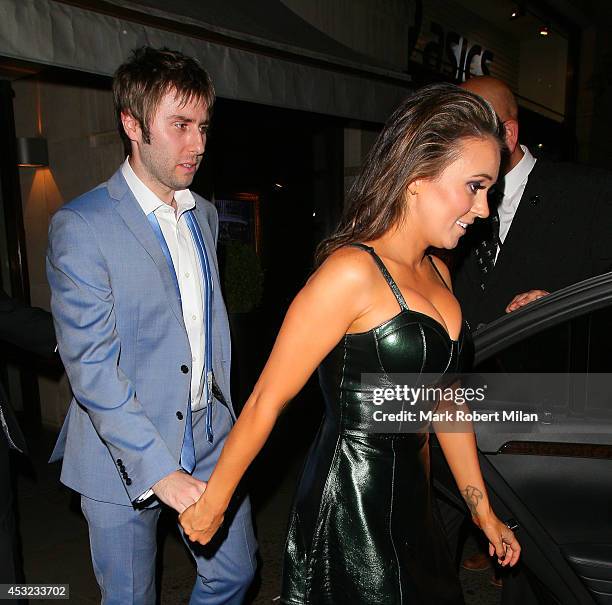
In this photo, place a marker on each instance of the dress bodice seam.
(424, 347)
(434, 321)
(380, 363)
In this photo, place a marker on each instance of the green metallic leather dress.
(362, 530)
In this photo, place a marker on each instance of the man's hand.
(201, 521)
(179, 490)
(520, 300)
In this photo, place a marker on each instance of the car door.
(552, 475)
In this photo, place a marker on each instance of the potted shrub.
(242, 282)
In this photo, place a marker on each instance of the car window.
(561, 377)
(600, 343)
(598, 402)
(536, 358)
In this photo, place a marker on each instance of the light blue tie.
(188, 457)
(198, 240)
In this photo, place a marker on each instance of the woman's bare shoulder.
(350, 267)
(339, 291)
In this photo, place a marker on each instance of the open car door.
(552, 363)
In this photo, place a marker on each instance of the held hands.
(183, 493)
(502, 541)
(201, 521)
(520, 300)
(179, 490)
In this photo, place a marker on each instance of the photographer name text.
(454, 416)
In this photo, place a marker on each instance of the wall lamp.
(32, 152)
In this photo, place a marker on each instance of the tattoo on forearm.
(472, 496)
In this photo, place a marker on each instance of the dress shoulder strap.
(383, 269)
(438, 271)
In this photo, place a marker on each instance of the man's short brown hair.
(141, 82)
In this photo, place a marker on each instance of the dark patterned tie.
(486, 249)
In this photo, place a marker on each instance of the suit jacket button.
(184, 369)
(119, 462)
(179, 415)
(128, 481)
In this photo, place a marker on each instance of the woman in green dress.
(362, 530)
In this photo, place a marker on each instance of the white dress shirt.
(514, 186)
(515, 182)
(186, 266)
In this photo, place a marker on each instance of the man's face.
(176, 145)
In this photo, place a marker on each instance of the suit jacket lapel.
(222, 345)
(136, 221)
(209, 242)
(211, 249)
(524, 228)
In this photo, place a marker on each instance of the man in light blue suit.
(143, 333)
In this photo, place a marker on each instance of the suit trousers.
(7, 517)
(123, 540)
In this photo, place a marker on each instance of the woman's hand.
(502, 541)
(201, 521)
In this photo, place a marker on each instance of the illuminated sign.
(444, 50)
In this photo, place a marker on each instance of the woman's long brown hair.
(422, 137)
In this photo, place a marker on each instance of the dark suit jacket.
(561, 234)
(32, 330)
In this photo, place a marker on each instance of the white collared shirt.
(186, 266)
(514, 186)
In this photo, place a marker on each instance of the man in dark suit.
(32, 330)
(547, 227)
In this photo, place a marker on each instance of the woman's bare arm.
(462, 456)
(316, 321)
(458, 443)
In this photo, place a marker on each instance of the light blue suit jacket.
(123, 342)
